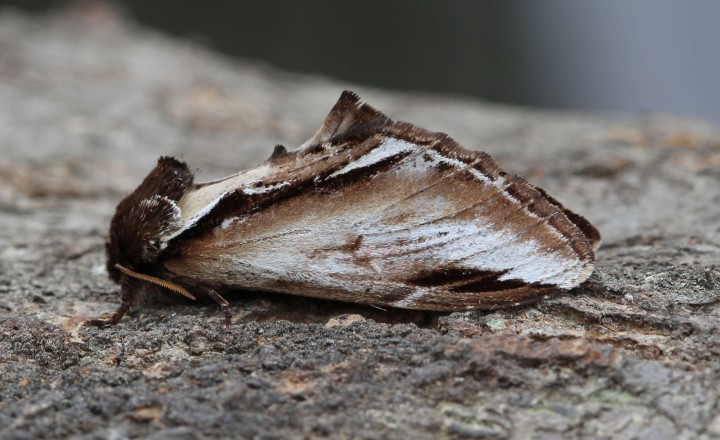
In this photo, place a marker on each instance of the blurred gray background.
(636, 55)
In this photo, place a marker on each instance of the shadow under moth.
(368, 210)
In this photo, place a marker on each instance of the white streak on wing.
(484, 248)
(197, 200)
(499, 182)
(525, 261)
(300, 261)
(548, 269)
(411, 299)
(438, 158)
(195, 218)
(438, 237)
(227, 222)
(472, 245)
(198, 203)
(236, 180)
(307, 256)
(387, 148)
(250, 190)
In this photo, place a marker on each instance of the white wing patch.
(388, 148)
(197, 215)
(196, 204)
(209, 194)
(253, 189)
(467, 244)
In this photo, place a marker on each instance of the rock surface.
(88, 101)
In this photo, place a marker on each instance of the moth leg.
(114, 319)
(224, 305)
(127, 298)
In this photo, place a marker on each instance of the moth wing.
(381, 212)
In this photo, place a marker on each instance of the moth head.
(146, 219)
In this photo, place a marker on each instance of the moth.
(369, 210)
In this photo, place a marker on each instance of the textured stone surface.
(88, 102)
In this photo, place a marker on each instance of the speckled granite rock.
(88, 102)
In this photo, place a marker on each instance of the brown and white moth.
(368, 210)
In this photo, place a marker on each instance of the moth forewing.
(375, 212)
(381, 239)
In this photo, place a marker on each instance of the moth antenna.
(157, 281)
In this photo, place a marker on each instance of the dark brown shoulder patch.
(170, 178)
(145, 214)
